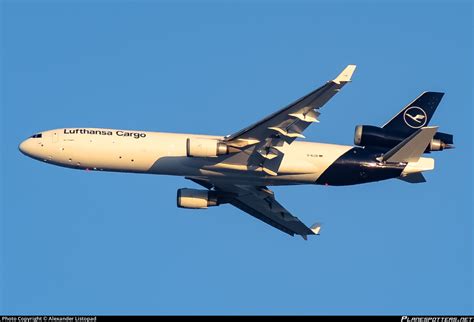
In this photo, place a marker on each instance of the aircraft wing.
(261, 141)
(260, 202)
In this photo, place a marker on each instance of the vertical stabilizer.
(415, 115)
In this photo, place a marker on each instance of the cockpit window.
(37, 136)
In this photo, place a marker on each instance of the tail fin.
(411, 149)
(415, 115)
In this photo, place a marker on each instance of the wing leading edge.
(261, 142)
(289, 120)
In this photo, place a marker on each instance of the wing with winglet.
(261, 142)
(260, 202)
(259, 147)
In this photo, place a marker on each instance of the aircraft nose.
(26, 147)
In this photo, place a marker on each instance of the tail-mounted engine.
(373, 136)
(205, 148)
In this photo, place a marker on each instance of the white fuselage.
(165, 153)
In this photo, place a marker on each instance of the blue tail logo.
(415, 117)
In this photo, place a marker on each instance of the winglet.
(316, 228)
(345, 75)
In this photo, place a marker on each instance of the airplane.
(237, 169)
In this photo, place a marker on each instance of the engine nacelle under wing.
(196, 199)
(205, 148)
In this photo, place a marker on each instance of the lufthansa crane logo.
(415, 117)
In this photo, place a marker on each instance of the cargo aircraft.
(237, 169)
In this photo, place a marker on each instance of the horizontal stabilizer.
(413, 178)
(411, 149)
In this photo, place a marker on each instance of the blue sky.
(102, 243)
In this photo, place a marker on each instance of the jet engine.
(373, 136)
(196, 199)
(205, 148)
